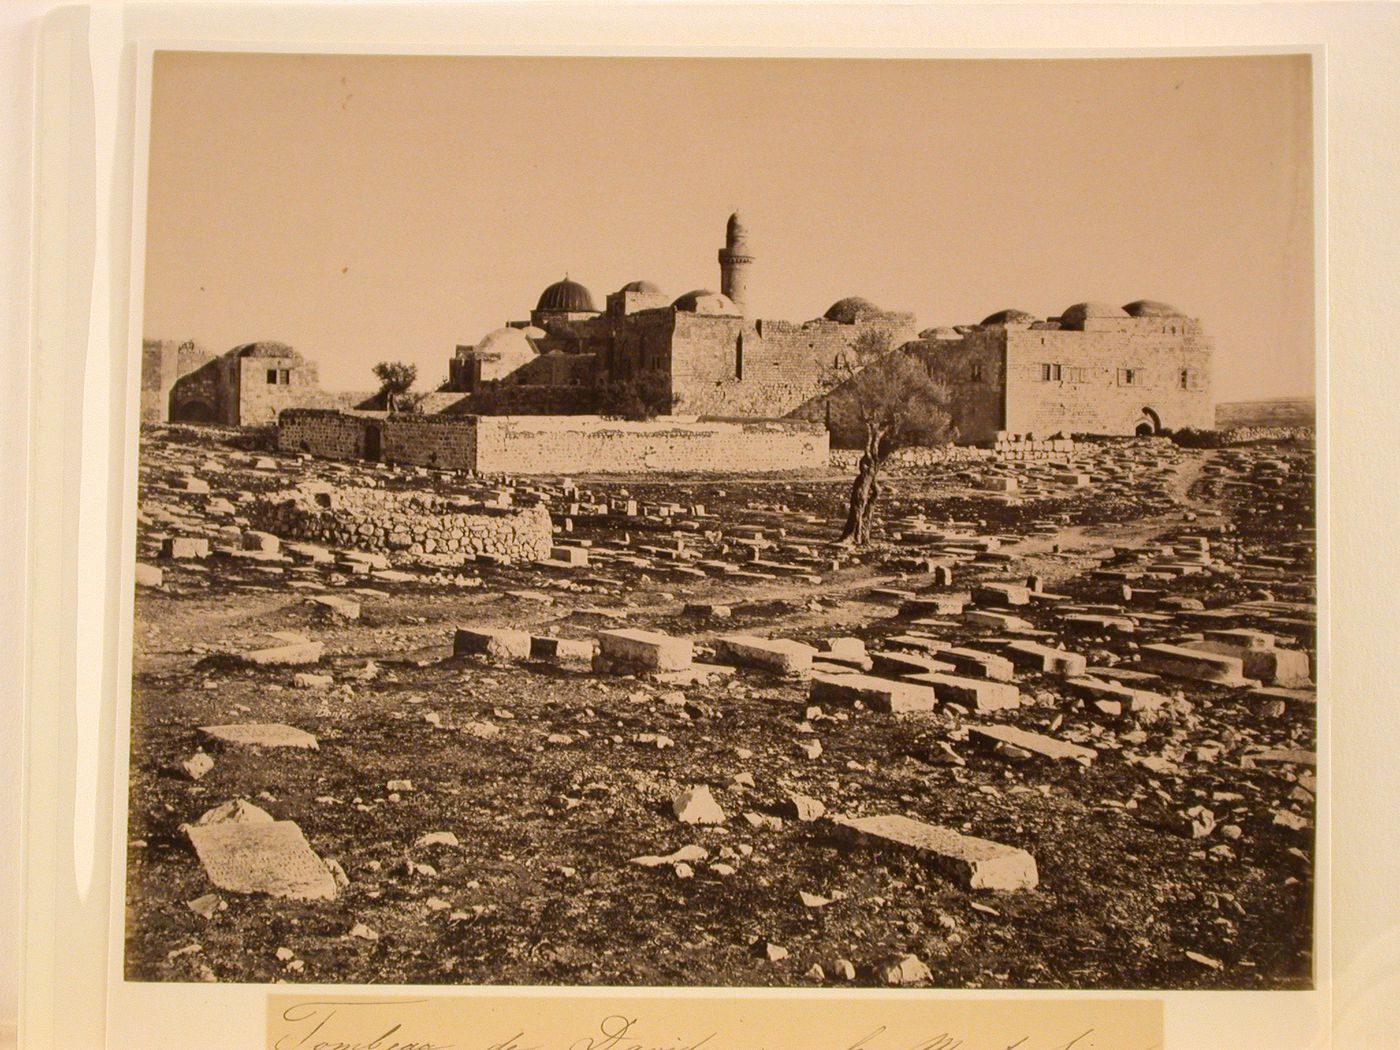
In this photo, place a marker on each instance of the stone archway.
(193, 411)
(1149, 424)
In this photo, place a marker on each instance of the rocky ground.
(499, 819)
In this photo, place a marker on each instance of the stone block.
(261, 541)
(972, 863)
(900, 665)
(881, 694)
(562, 650)
(934, 605)
(261, 734)
(569, 555)
(1043, 659)
(772, 654)
(293, 654)
(148, 575)
(495, 642)
(1001, 594)
(1178, 661)
(980, 694)
(645, 650)
(345, 608)
(182, 547)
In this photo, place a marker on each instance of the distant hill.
(1271, 412)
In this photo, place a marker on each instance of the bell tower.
(734, 263)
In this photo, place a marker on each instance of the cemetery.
(1054, 727)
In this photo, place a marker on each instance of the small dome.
(851, 310)
(704, 301)
(735, 230)
(507, 342)
(566, 296)
(641, 286)
(941, 332)
(265, 349)
(1077, 314)
(1151, 308)
(533, 332)
(1005, 317)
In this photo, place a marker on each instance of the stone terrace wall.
(588, 444)
(410, 522)
(321, 432)
(1243, 435)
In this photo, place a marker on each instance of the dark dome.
(1004, 317)
(566, 296)
(265, 349)
(1151, 308)
(704, 301)
(851, 309)
(1076, 315)
(940, 332)
(641, 286)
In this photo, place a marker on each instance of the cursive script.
(314, 1026)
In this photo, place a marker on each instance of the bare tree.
(888, 397)
(395, 377)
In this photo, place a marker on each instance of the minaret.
(734, 262)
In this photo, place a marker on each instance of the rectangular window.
(1050, 373)
(976, 374)
(1078, 375)
(1129, 376)
(272, 375)
(284, 377)
(1186, 379)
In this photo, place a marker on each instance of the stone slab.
(1180, 662)
(261, 734)
(979, 694)
(647, 650)
(973, 863)
(1036, 743)
(1034, 656)
(271, 858)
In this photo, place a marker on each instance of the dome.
(851, 309)
(641, 286)
(1005, 317)
(941, 332)
(1077, 314)
(507, 342)
(1151, 308)
(735, 230)
(704, 301)
(265, 349)
(533, 332)
(566, 296)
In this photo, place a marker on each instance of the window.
(279, 376)
(1078, 375)
(284, 377)
(272, 375)
(1050, 373)
(976, 374)
(1129, 376)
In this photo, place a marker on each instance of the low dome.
(1151, 308)
(533, 332)
(704, 301)
(1005, 317)
(507, 342)
(851, 310)
(1077, 314)
(941, 332)
(265, 349)
(566, 296)
(641, 286)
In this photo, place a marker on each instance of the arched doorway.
(1149, 424)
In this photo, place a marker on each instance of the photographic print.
(810, 523)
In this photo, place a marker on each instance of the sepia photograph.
(827, 523)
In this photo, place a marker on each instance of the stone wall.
(321, 432)
(411, 523)
(974, 371)
(259, 401)
(589, 445)
(443, 442)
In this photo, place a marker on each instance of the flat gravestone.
(1036, 743)
(262, 734)
(975, 864)
(271, 858)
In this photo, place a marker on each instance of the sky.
(372, 208)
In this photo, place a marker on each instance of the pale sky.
(367, 208)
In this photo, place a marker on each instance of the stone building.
(1095, 369)
(704, 347)
(248, 386)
